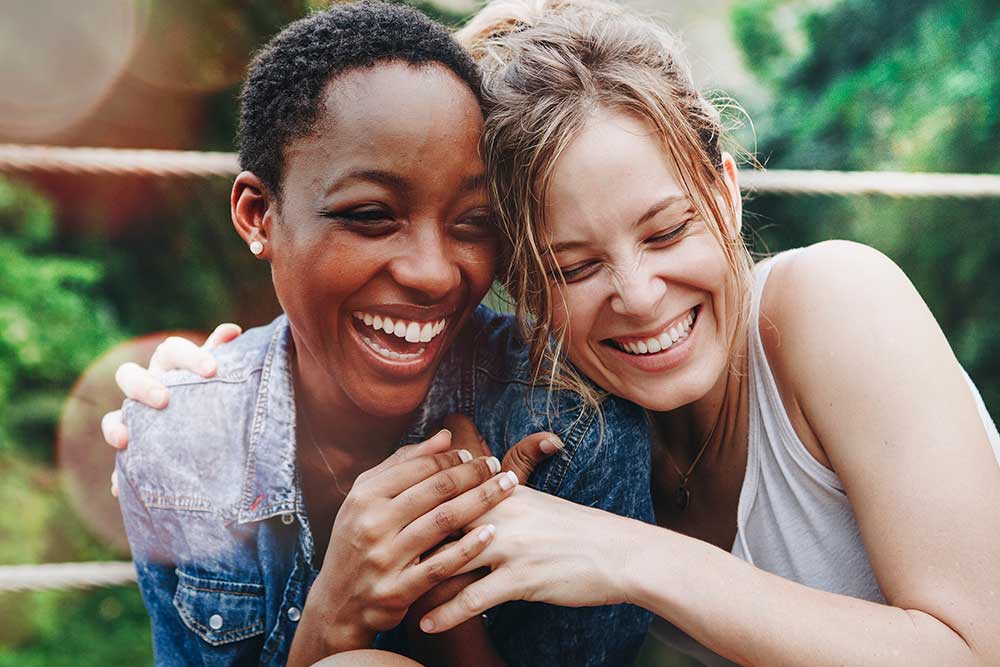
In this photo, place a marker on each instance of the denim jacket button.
(294, 614)
(288, 518)
(215, 622)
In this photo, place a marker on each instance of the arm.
(887, 401)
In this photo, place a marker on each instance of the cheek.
(576, 311)
(478, 266)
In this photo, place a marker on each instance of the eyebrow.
(653, 210)
(473, 183)
(398, 182)
(380, 176)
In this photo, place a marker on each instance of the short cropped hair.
(280, 100)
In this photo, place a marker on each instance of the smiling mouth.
(674, 333)
(398, 340)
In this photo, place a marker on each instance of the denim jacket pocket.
(220, 612)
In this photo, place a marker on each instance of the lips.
(673, 333)
(398, 339)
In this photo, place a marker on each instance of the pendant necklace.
(682, 497)
(319, 450)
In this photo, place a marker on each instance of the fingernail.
(120, 436)
(550, 445)
(158, 396)
(486, 532)
(427, 625)
(444, 430)
(494, 464)
(465, 455)
(206, 366)
(508, 480)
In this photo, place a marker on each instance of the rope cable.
(16, 158)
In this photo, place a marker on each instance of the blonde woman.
(826, 480)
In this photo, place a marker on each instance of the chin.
(391, 404)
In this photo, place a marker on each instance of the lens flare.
(60, 60)
(85, 461)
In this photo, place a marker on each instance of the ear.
(253, 210)
(730, 173)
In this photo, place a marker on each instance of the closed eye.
(476, 225)
(668, 236)
(574, 273)
(365, 220)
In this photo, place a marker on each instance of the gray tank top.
(794, 519)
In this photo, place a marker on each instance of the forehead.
(394, 116)
(612, 171)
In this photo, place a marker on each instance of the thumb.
(529, 452)
(465, 435)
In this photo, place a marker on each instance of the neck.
(711, 421)
(335, 421)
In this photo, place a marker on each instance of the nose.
(427, 265)
(637, 292)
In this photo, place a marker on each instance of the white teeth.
(386, 352)
(412, 332)
(664, 341)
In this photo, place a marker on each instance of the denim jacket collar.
(269, 486)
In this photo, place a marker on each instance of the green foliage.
(52, 320)
(908, 85)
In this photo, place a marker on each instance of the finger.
(430, 572)
(465, 435)
(436, 444)
(139, 384)
(115, 433)
(223, 334)
(180, 353)
(114, 482)
(394, 481)
(529, 452)
(474, 599)
(417, 500)
(454, 515)
(444, 591)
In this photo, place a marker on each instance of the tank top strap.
(769, 420)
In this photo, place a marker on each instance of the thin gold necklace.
(319, 450)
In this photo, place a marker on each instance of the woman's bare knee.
(367, 658)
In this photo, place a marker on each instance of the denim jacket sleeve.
(605, 464)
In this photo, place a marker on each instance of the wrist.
(633, 562)
(336, 626)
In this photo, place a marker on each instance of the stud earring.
(256, 247)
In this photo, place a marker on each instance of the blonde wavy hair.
(547, 65)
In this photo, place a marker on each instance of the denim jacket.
(219, 530)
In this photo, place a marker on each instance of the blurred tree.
(53, 320)
(909, 85)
